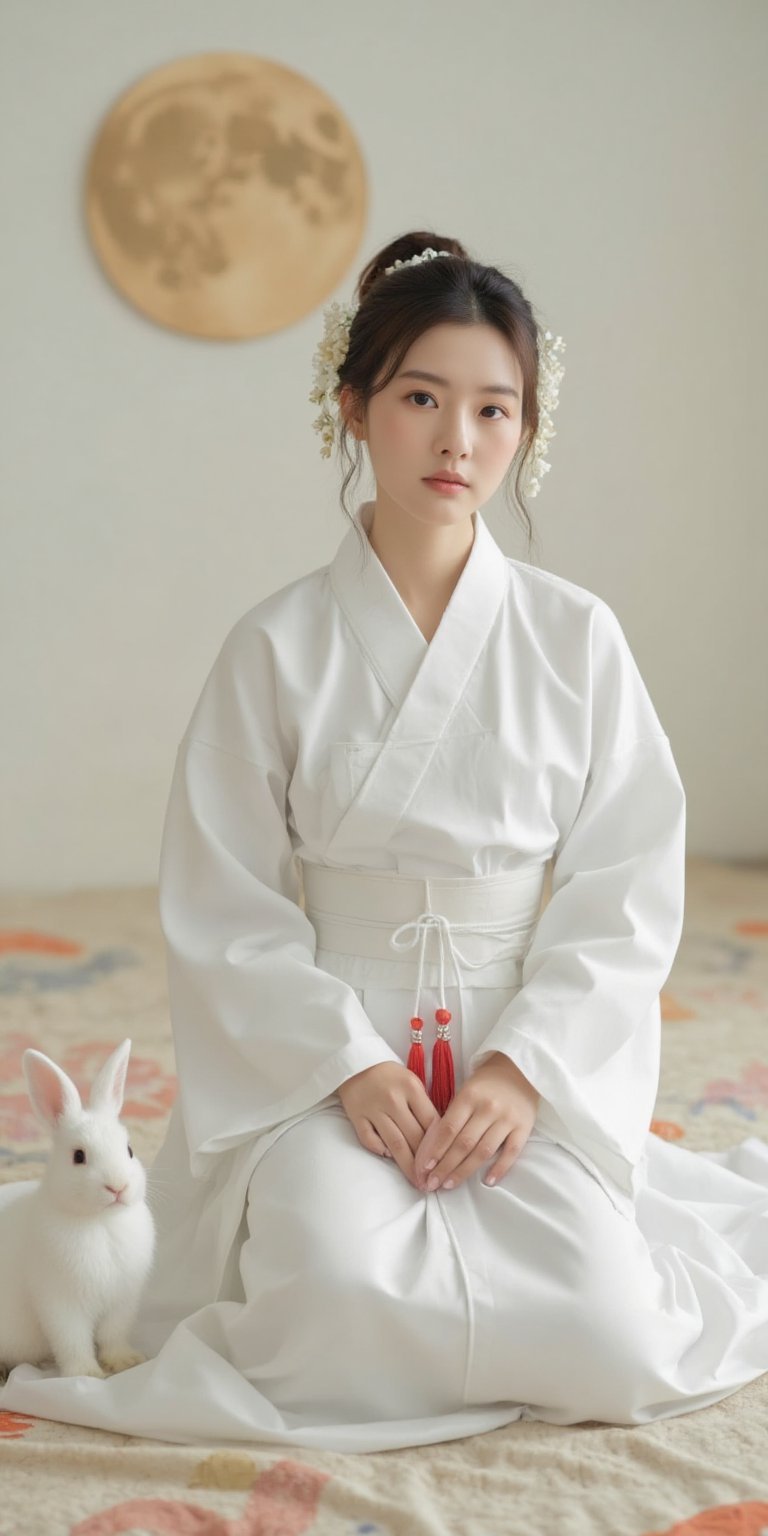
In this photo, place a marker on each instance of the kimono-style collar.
(386, 630)
(425, 682)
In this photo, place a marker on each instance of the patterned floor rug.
(81, 970)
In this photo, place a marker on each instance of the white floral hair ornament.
(332, 350)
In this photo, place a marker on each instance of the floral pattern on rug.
(747, 1096)
(41, 974)
(282, 1499)
(149, 1089)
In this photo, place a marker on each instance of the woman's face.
(470, 423)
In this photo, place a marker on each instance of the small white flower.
(332, 350)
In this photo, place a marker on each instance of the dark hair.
(396, 309)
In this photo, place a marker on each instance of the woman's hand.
(390, 1110)
(493, 1113)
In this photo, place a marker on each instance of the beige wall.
(610, 155)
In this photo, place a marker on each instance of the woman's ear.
(349, 412)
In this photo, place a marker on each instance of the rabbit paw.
(84, 1370)
(121, 1359)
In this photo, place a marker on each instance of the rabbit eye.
(130, 1151)
(78, 1156)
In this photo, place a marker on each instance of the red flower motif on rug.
(149, 1094)
(283, 1498)
(744, 1519)
(13, 1426)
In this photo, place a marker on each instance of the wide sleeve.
(261, 1033)
(585, 1025)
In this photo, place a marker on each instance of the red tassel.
(443, 1072)
(415, 1060)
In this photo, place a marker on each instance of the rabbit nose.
(116, 1191)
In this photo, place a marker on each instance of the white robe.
(304, 1292)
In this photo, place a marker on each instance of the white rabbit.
(76, 1245)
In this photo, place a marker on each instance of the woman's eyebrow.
(433, 378)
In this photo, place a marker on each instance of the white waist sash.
(369, 923)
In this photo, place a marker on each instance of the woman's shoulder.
(281, 613)
(236, 707)
(548, 598)
(549, 584)
(580, 628)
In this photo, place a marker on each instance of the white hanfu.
(341, 782)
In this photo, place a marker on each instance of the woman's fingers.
(402, 1143)
(470, 1149)
(508, 1154)
(455, 1173)
(473, 1146)
(389, 1110)
(423, 1111)
(456, 1139)
(403, 1138)
(369, 1138)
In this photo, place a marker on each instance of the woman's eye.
(422, 393)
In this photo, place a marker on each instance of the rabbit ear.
(53, 1094)
(108, 1086)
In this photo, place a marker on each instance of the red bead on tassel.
(443, 1074)
(416, 1054)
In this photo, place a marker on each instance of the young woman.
(408, 1190)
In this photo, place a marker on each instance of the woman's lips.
(449, 487)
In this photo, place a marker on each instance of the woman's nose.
(455, 440)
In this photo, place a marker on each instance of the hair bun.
(403, 249)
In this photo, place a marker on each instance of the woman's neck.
(423, 561)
